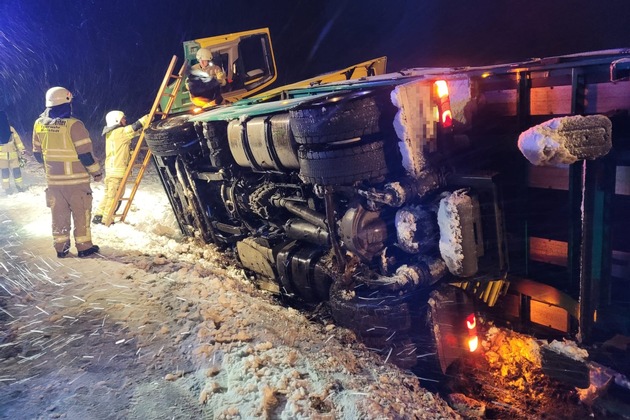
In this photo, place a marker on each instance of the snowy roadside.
(158, 327)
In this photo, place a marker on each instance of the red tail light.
(444, 103)
(473, 339)
(471, 322)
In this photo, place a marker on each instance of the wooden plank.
(622, 180)
(548, 251)
(498, 102)
(621, 265)
(554, 100)
(601, 98)
(548, 177)
(605, 97)
(548, 315)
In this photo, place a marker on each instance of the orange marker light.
(441, 88)
(473, 343)
(473, 340)
(444, 103)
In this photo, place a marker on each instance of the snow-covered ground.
(156, 326)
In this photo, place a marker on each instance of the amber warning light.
(473, 340)
(444, 103)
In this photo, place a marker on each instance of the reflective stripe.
(93, 168)
(69, 182)
(61, 155)
(82, 239)
(83, 175)
(61, 239)
(82, 142)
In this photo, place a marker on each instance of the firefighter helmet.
(114, 118)
(57, 96)
(204, 54)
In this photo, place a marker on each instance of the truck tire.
(216, 141)
(172, 136)
(343, 166)
(565, 140)
(328, 122)
(381, 315)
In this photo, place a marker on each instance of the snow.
(569, 349)
(157, 326)
(414, 124)
(408, 220)
(451, 231)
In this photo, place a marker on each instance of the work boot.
(92, 250)
(97, 220)
(62, 254)
(9, 191)
(21, 188)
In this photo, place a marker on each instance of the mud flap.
(448, 308)
(564, 368)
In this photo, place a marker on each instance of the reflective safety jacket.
(12, 148)
(213, 71)
(117, 144)
(64, 143)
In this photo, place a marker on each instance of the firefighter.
(11, 152)
(118, 136)
(205, 80)
(62, 143)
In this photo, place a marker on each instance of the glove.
(98, 177)
(141, 123)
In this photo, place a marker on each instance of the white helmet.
(57, 96)
(204, 54)
(114, 117)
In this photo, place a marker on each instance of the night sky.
(113, 54)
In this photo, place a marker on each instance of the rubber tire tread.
(335, 121)
(373, 318)
(172, 136)
(590, 138)
(343, 166)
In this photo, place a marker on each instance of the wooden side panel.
(548, 251)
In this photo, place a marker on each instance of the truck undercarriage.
(402, 205)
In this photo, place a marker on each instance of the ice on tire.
(565, 140)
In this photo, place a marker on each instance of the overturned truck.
(411, 201)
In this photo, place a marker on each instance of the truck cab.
(246, 58)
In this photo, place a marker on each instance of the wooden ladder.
(137, 161)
